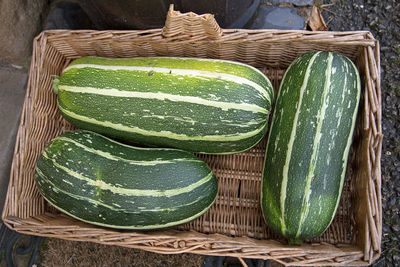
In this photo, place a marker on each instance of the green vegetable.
(308, 145)
(199, 105)
(102, 182)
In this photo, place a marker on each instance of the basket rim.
(48, 36)
(360, 37)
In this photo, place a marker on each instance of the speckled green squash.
(102, 182)
(308, 145)
(199, 105)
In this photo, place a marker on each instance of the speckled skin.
(103, 182)
(308, 145)
(199, 105)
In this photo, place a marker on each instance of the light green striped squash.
(199, 105)
(308, 145)
(103, 182)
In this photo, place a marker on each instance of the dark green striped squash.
(308, 145)
(103, 182)
(199, 105)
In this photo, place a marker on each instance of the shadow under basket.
(234, 225)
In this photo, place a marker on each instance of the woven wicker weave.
(234, 225)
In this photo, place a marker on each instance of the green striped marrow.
(308, 145)
(199, 105)
(103, 182)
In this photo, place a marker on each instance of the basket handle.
(190, 25)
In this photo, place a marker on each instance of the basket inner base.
(237, 211)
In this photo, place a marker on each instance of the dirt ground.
(90, 254)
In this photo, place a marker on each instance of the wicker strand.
(378, 87)
(377, 179)
(371, 90)
(366, 112)
(372, 63)
(190, 24)
(244, 264)
(372, 228)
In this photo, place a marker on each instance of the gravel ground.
(382, 19)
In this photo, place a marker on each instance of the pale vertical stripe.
(137, 226)
(100, 203)
(272, 127)
(110, 156)
(185, 72)
(89, 134)
(54, 187)
(165, 134)
(350, 137)
(163, 96)
(316, 144)
(128, 191)
(290, 144)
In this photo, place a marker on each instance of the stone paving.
(12, 93)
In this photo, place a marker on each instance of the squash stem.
(294, 241)
(56, 82)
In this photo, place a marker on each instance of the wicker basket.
(234, 225)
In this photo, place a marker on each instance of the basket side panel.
(40, 122)
(236, 211)
(367, 183)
